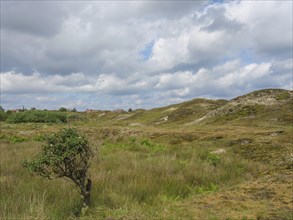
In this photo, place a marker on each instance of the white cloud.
(175, 81)
(170, 52)
(198, 49)
(46, 99)
(19, 83)
(229, 76)
(268, 26)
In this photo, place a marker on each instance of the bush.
(283, 96)
(62, 109)
(74, 117)
(17, 139)
(213, 159)
(37, 116)
(67, 155)
(2, 116)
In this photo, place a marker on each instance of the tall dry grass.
(128, 172)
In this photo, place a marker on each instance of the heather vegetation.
(193, 160)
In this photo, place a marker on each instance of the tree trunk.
(85, 199)
(86, 195)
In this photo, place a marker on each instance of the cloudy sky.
(141, 54)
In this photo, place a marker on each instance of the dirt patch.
(170, 109)
(219, 151)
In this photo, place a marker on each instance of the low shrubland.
(151, 172)
(236, 164)
(130, 171)
(36, 116)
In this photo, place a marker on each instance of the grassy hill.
(258, 105)
(201, 159)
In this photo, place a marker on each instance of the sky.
(141, 54)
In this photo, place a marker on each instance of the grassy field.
(235, 165)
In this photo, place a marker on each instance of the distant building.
(16, 110)
(119, 111)
(89, 110)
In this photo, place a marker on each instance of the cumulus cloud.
(32, 17)
(218, 81)
(225, 80)
(269, 26)
(19, 83)
(143, 52)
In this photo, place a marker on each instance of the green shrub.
(62, 109)
(66, 155)
(2, 116)
(204, 189)
(75, 117)
(40, 137)
(283, 96)
(152, 146)
(17, 139)
(214, 159)
(132, 144)
(147, 142)
(37, 116)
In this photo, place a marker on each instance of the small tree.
(66, 155)
(62, 109)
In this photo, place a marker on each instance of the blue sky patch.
(216, 1)
(147, 51)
